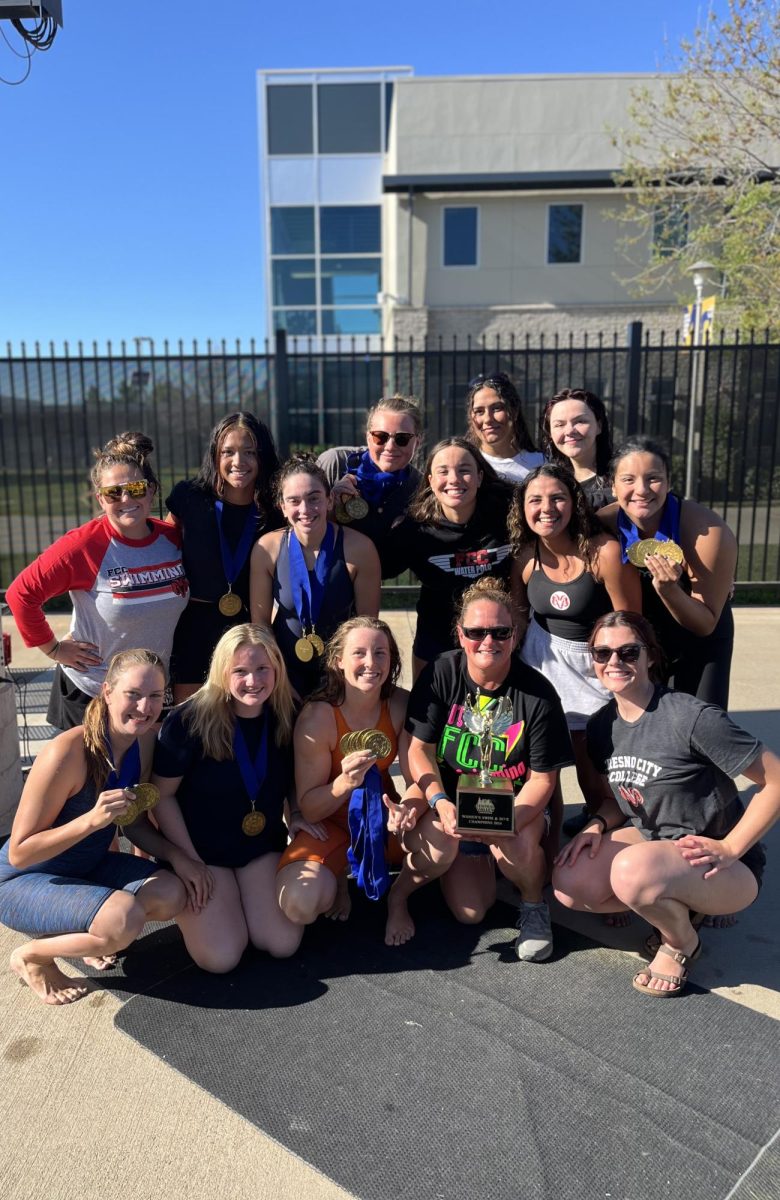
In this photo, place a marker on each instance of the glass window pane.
(298, 323)
(350, 230)
(351, 320)
(388, 110)
(290, 128)
(670, 229)
(348, 118)
(460, 237)
(294, 281)
(292, 230)
(564, 242)
(350, 280)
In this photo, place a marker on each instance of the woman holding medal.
(672, 840)
(482, 694)
(497, 426)
(221, 514)
(687, 556)
(575, 434)
(373, 485)
(314, 572)
(223, 765)
(60, 882)
(346, 739)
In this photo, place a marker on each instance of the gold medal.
(671, 550)
(341, 514)
(356, 507)
(316, 642)
(132, 814)
(253, 823)
(378, 743)
(639, 551)
(230, 604)
(146, 796)
(304, 649)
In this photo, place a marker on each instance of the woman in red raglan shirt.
(125, 577)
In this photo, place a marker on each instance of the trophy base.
(485, 808)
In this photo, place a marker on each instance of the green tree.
(701, 159)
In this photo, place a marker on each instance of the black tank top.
(567, 610)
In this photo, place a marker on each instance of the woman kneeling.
(59, 880)
(669, 761)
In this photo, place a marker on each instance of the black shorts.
(67, 702)
(199, 629)
(755, 861)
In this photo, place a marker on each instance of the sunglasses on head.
(499, 633)
(113, 493)
(627, 654)
(380, 438)
(487, 380)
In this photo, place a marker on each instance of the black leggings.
(704, 670)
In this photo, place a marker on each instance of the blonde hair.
(96, 743)
(209, 714)
(485, 588)
(126, 450)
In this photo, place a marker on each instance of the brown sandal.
(678, 981)
(652, 942)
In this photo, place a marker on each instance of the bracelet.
(597, 817)
(435, 799)
(52, 654)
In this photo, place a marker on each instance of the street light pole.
(699, 271)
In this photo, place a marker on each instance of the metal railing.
(55, 408)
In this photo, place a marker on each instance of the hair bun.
(133, 444)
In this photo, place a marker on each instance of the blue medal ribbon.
(668, 530)
(366, 853)
(308, 592)
(374, 484)
(233, 561)
(130, 772)
(253, 770)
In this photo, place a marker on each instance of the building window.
(351, 320)
(300, 323)
(350, 280)
(670, 229)
(290, 126)
(460, 237)
(564, 233)
(350, 229)
(349, 118)
(294, 281)
(292, 230)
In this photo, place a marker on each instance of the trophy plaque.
(485, 803)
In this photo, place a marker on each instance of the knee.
(578, 889)
(468, 914)
(117, 929)
(170, 896)
(282, 943)
(633, 879)
(218, 960)
(303, 900)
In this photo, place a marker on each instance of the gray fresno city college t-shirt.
(672, 771)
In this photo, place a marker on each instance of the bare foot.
(48, 982)
(617, 920)
(723, 922)
(342, 905)
(103, 962)
(400, 926)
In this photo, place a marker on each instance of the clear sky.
(129, 186)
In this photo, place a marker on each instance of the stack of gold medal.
(637, 552)
(145, 796)
(366, 739)
(309, 645)
(352, 508)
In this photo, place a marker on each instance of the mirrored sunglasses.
(114, 492)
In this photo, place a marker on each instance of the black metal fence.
(55, 408)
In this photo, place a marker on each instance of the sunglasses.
(380, 438)
(486, 380)
(499, 633)
(113, 493)
(627, 654)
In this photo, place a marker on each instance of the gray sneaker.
(534, 942)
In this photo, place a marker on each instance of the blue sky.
(129, 190)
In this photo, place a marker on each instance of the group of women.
(269, 780)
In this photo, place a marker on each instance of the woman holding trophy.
(488, 738)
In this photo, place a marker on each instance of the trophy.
(485, 803)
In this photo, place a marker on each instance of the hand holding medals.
(638, 552)
(143, 797)
(374, 740)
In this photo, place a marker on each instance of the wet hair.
(333, 687)
(96, 712)
(130, 449)
(209, 479)
(639, 444)
(299, 464)
(603, 438)
(486, 588)
(583, 525)
(502, 385)
(406, 406)
(643, 632)
(425, 508)
(209, 713)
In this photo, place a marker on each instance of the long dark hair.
(502, 385)
(603, 438)
(208, 477)
(643, 631)
(582, 527)
(424, 507)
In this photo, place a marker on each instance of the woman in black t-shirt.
(482, 683)
(669, 761)
(575, 435)
(221, 513)
(223, 764)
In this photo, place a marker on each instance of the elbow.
(17, 857)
